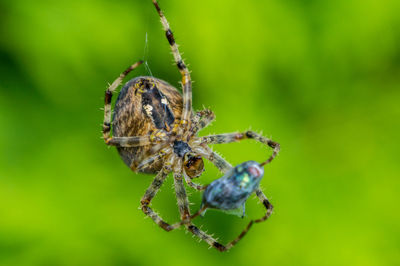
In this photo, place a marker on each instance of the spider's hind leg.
(147, 161)
(107, 100)
(155, 137)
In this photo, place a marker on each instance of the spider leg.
(149, 195)
(234, 137)
(186, 81)
(157, 147)
(183, 204)
(194, 185)
(268, 213)
(181, 196)
(224, 166)
(136, 141)
(149, 160)
(107, 99)
(201, 120)
(266, 204)
(213, 157)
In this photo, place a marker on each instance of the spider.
(156, 131)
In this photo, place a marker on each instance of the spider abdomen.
(145, 105)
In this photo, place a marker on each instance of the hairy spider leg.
(183, 204)
(150, 194)
(213, 157)
(194, 185)
(157, 137)
(201, 120)
(268, 213)
(135, 141)
(180, 191)
(107, 100)
(234, 137)
(186, 81)
(160, 145)
(224, 166)
(149, 160)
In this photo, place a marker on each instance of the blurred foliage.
(320, 77)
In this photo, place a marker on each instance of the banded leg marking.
(107, 100)
(149, 195)
(135, 141)
(205, 237)
(201, 120)
(213, 157)
(149, 160)
(186, 80)
(268, 213)
(194, 185)
(268, 206)
(184, 210)
(181, 196)
(233, 137)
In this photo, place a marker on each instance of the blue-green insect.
(233, 189)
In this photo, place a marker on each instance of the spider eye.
(193, 165)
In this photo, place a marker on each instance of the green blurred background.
(320, 77)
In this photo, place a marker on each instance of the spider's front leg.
(213, 157)
(191, 161)
(201, 120)
(234, 137)
(186, 80)
(233, 189)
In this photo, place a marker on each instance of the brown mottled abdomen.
(144, 105)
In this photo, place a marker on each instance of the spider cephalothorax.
(155, 131)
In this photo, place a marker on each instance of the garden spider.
(155, 131)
